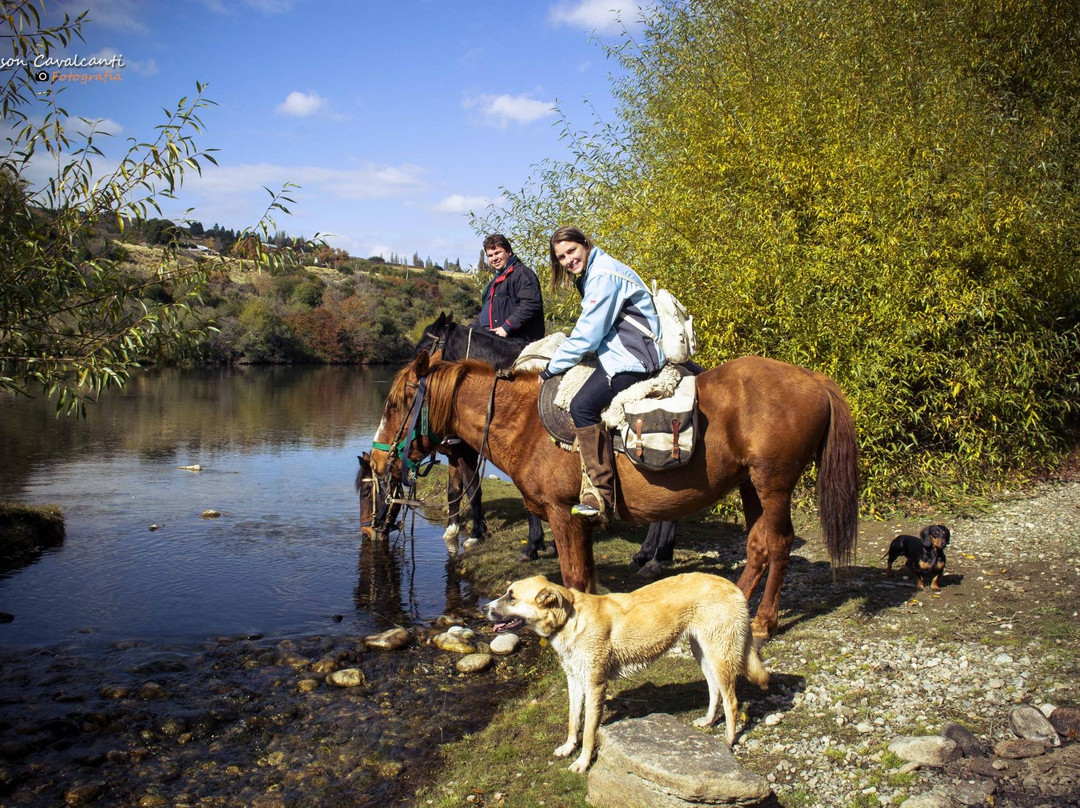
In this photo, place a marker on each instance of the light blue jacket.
(609, 288)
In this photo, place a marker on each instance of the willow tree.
(73, 321)
(888, 194)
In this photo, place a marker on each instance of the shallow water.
(277, 449)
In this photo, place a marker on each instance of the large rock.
(664, 762)
(1028, 722)
(926, 750)
(1066, 720)
(963, 737)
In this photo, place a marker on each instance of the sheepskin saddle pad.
(557, 392)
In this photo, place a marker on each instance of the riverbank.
(26, 530)
(854, 667)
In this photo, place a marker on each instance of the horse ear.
(442, 320)
(450, 318)
(421, 363)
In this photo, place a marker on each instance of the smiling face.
(497, 257)
(573, 257)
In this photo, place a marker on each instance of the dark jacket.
(512, 299)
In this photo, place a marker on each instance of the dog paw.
(580, 766)
(565, 750)
(704, 721)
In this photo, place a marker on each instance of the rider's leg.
(594, 440)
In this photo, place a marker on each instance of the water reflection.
(277, 448)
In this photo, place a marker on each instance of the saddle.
(652, 422)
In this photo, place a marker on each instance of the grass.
(26, 528)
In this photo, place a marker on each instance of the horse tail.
(838, 480)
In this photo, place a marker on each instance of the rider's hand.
(500, 331)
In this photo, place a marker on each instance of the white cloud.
(603, 16)
(147, 68)
(100, 126)
(118, 15)
(367, 182)
(504, 109)
(301, 105)
(458, 203)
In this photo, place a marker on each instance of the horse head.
(370, 495)
(434, 338)
(404, 438)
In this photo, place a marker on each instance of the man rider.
(511, 305)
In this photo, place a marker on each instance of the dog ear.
(924, 535)
(548, 598)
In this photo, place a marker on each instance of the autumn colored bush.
(884, 193)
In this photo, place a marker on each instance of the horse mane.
(444, 378)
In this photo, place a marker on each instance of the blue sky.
(395, 118)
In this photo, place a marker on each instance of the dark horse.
(762, 423)
(448, 340)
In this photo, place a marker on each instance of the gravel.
(858, 666)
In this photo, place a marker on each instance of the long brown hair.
(560, 278)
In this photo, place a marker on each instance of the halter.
(414, 427)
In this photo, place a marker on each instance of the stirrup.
(585, 509)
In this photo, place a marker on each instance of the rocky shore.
(858, 668)
(852, 676)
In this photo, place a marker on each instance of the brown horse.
(761, 422)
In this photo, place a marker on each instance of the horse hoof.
(528, 557)
(651, 571)
(470, 544)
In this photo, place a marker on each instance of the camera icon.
(41, 75)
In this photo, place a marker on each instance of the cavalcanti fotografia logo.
(69, 69)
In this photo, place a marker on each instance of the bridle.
(416, 426)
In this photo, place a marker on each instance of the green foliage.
(71, 323)
(886, 194)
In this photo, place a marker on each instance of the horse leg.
(453, 505)
(574, 544)
(534, 545)
(767, 546)
(657, 550)
(648, 547)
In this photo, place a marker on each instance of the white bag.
(676, 326)
(676, 336)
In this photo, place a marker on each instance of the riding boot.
(598, 472)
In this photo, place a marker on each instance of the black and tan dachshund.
(925, 554)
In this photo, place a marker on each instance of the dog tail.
(755, 668)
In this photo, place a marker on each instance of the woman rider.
(616, 311)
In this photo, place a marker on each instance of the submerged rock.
(392, 640)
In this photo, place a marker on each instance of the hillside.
(355, 311)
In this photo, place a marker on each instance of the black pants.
(596, 394)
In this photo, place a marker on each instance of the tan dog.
(597, 637)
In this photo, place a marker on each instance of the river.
(155, 656)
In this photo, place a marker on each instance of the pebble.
(347, 677)
(452, 643)
(883, 670)
(210, 513)
(505, 644)
(393, 640)
(474, 663)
